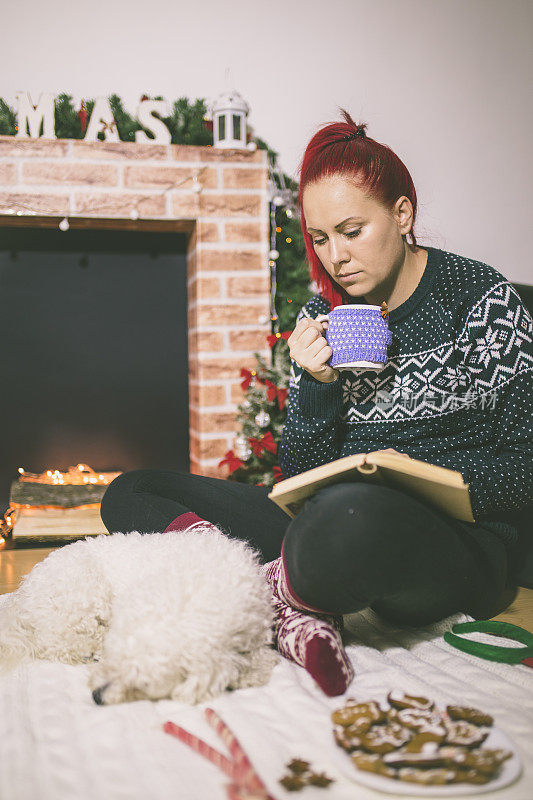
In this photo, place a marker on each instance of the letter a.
(102, 121)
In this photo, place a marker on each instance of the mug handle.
(322, 318)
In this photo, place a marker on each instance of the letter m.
(33, 116)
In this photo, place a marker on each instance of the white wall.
(445, 83)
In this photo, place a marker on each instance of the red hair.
(376, 169)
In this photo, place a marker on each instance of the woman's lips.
(346, 278)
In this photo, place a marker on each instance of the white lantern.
(229, 112)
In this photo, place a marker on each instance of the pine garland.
(8, 119)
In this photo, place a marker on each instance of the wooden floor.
(15, 563)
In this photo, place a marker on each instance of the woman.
(457, 389)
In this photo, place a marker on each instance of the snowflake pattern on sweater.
(456, 390)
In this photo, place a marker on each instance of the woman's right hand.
(309, 348)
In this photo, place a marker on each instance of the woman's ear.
(403, 213)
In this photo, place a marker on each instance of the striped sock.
(312, 639)
(185, 521)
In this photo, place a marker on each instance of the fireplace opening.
(94, 351)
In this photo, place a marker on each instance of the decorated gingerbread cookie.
(384, 738)
(465, 733)
(413, 740)
(469, 715)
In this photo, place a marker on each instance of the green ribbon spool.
(492, 652)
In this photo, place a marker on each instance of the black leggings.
(353, 545)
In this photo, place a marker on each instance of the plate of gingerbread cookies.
(410, 746)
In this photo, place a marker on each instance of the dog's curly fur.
(181, 615)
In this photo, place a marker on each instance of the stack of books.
(42, 510)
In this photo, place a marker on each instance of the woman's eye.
(350, 234)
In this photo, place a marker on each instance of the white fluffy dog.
(181, 615)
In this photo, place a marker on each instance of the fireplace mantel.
(131, 186)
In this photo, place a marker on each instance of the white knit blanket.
(56, 744)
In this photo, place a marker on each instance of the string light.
(196, 188)
(79, 475)
(280, 195)
(23, 209)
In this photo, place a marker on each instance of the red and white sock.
(187, 520)
(312, 639)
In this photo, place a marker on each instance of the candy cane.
(247, 785)
(197, 744)
(247, 774)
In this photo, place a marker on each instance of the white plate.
(509, 772)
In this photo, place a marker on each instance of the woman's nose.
(338, 253)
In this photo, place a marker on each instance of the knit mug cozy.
(358, 335)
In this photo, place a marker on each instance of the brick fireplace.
(129, 186)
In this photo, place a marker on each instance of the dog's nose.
(97, 695)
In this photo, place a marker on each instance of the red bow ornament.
(278, 475)
(275, 337)
(248, 377)
(273, 391)
(232, 461)
(282, 398)
(266, 442)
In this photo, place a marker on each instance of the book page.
(415, 467)
(57, 523)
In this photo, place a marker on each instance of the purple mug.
(359, 336)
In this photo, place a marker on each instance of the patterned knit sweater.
(456, 391)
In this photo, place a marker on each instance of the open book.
(441, 487)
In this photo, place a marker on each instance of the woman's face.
(358, 240)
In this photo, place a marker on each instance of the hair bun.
(359, 132)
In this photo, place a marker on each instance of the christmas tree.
(263, 410)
